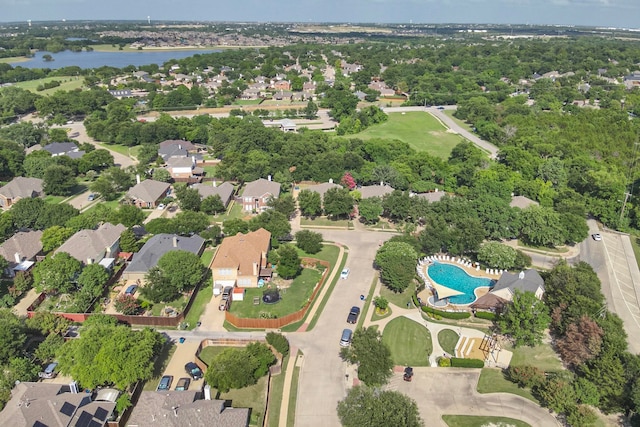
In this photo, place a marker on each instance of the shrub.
(279, 342)
(486, 315)
(526, 376)
(381, 303)
(580, 415)
(126, 304)
(444, 362)
(447, 314)
(466, 363)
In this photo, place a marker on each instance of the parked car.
(161, 206)
(91, 197)
(353, 315)
(193, 370)
(597, 237)
(345, 339)
(183, 384)
(345, 273)
(227, 293)
(165, 383)
(131, 290)
(49, 371)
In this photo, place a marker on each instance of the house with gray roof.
(147, 257)
(433, 196)
(20, 250)
(184, 408)
(367, 191)
(257, 193)
(18, 188)
(224, 190)
(176, 148)
(505, 288)
(323, 188)
(63, 149)
(54, 405)
(92, 246)
(148, 193)
(184, 169)
(522, 202)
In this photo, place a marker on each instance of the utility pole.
(624, 205)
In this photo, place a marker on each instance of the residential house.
(241, 260)
(20, 250)
(349, 68)
(283, 95)
(148, 193)
(323, 188)
(522, 202)
(251, 94)
(56, 405)
(176, 148)
(632, 80)
(224, 190)
(309, 86)
(184, 169)
(95, 246)
(257, 193)
(367, 191)
(505, 288)
(185, 408)
(121, 93)
(433, 196)
(147, 257)
(20, 188)
(282, 85)
(381, 87)
(360, 95)
(64, 149)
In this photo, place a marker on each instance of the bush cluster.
(279, 342)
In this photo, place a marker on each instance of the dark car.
(226, 293)
(165, 383)
(353, 314)
(193, 370)
(408, 374)
(131, 290)
(183, 384)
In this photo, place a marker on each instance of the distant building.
(522, 202)
(64, 149)
(367, 191)
(224, 190)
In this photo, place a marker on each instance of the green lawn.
(324, 222)
(473, 421)
(541, 356)
(293, 395)
(13, 59)
(463, 124)
(448, 340)
(67, 83)
(247, 102)
(253, 397)
(207, 256)
(235, 212)
(275, 395)
(492, 380)
(399, 299)
(121, 149)
(54, 199)
(328, 253)
(210, 352)
(409, 341)
(292, 299)
(160, 365)
(210, 170)
(202, 298)
(418, 129)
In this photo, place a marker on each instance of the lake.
(96, 59)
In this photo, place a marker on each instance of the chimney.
(193, 160)
(17, 257)
(255, 268)
(381, 183)
(521, 275)
(175, 241)
(179, 146)
(207, 392)
(138, 178)
(436, 190)
(269, 177)
(330, 180)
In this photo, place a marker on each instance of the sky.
(603, 13)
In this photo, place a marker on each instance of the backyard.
(293, 298)
(409, 341)
(418, 129)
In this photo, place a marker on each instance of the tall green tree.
(58, 180)
(372, 356)
(397, 262)
(338, 202)
(524, 319)
(310, 203)
(366, 407)
(288, 262)
(56, 273)
(183, 269)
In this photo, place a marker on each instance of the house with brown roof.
(257, 193)
(282, 85)
(522, 202)
(54, 405)
(148, 193)
(432, 197)
(93, 246)
(18, 188)
(185, 408)
(241, 260)
(224, 190)
(20, 250)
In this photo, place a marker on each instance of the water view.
(112, 59)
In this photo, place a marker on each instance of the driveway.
(185, 353)
(452, 391)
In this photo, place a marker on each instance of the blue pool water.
(454, 277)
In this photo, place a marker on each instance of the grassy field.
(492, 380)
(293, 394)
(322, 221)
(207, 256)
(253, 397)
(540, 356)
(13, 59)
(67, 83)
(203, 297)
(210, 352)
(292, 299)
(420, 130)
(461, 123)
(399, 299)
(473, 421)
(410, 342)
(448, 340)
(122, 149)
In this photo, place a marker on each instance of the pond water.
(96, 59)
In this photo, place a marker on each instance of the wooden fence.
(243, 322)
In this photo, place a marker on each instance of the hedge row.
(486, 315)
(466, 363)
(446, 314)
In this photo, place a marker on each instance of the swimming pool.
(453, 277)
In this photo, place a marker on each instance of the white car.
(160, 206)
(597, 237)
(345, 273)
